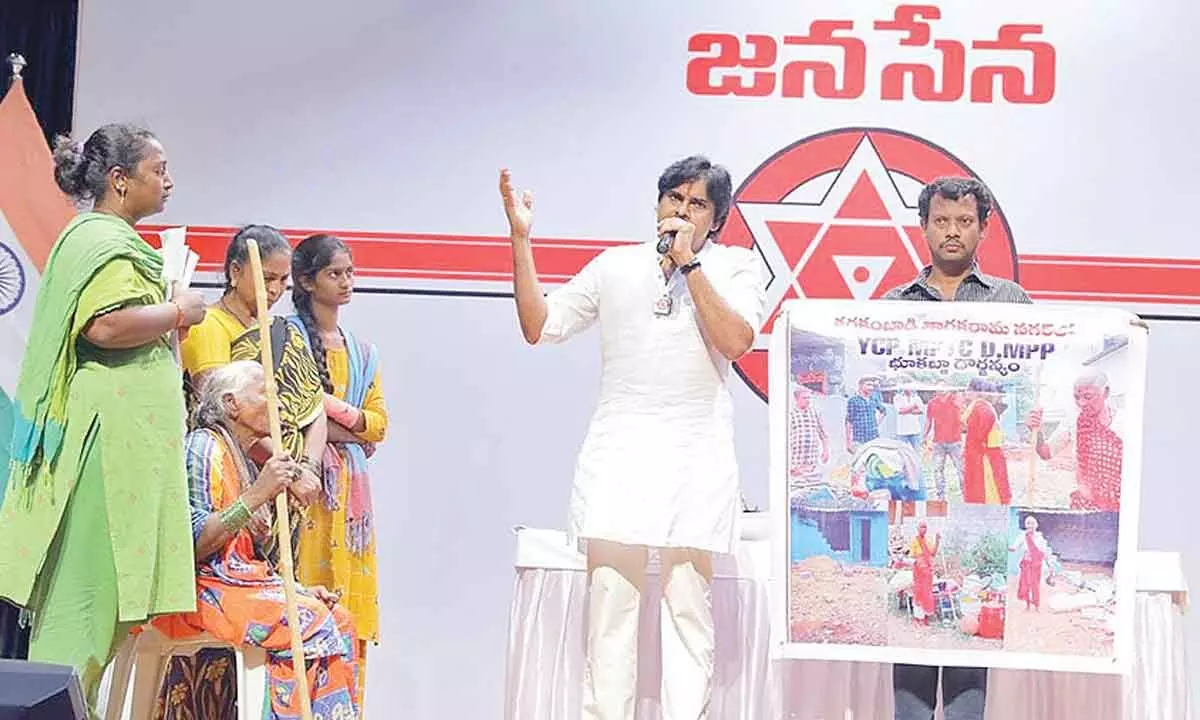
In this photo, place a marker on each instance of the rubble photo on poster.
(957, 483)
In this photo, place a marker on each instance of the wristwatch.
(689, 266)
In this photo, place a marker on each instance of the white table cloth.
(547, 631)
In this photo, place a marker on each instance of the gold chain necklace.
(225, 306)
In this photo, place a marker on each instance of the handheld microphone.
(665, 242)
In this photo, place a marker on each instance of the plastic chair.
(143, 658)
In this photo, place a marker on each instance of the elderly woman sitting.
(240, 597)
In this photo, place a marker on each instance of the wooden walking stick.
(283, 528)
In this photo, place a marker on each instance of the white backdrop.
(395, 116)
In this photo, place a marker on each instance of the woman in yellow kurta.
(208, 345)
(230, 332)
(337, 544)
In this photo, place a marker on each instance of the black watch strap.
(689, 266)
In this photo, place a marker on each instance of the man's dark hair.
(716, 181)
(955, 188)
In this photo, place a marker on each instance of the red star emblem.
(835, 216)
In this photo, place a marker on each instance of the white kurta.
(657, 467)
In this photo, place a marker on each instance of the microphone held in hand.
(665, 242)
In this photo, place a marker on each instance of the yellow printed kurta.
(324, 557)
(207, 345)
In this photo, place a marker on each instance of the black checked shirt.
(975, 287)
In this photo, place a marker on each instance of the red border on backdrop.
(462, 259)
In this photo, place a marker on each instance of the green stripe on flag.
(6, 425)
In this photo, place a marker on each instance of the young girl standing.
(337, 544)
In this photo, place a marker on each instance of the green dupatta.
(39, 413)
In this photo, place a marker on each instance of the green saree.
(95, 530)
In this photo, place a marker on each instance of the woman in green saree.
(94, 528)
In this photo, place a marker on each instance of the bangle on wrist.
(178, 314)
(235, 517)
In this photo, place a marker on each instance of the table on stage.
(547, 632)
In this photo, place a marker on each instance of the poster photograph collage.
(955, 483)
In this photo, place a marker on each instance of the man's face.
(1090, 399)
(922, 529)
(953, 231)
(690, 202)
(866, 387)
(803, 397)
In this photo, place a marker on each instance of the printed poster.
(957, 483)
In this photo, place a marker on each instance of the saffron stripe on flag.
(32, 213)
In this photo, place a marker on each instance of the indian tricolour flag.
(32, 213)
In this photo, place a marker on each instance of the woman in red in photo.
(985, 470)
(922, 555)
(1035, 551)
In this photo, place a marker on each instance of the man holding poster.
(657, 469)
(954, 213)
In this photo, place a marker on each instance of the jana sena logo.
(835, 216)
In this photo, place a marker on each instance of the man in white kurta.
(657, 468)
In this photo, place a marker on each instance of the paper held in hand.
(179, 260)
